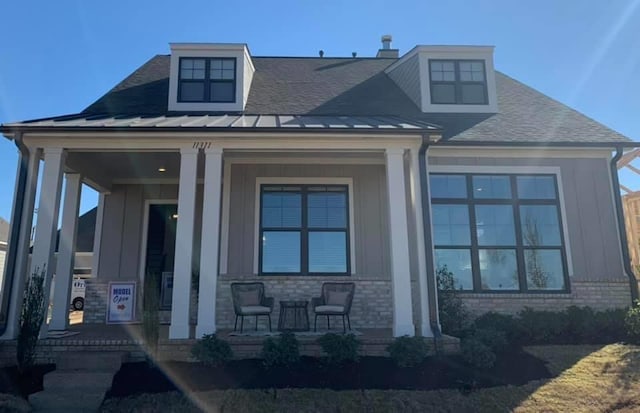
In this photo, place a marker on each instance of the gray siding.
(407, 76)
(590, 213)
(370, 213)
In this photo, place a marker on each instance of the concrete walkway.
(79, 382)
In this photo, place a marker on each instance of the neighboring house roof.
(86, 230)
(353, 87)
(4, 230)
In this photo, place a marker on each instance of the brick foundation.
(372, 303)
(599, 295)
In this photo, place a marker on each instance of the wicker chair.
(249, 300)
(335, 300)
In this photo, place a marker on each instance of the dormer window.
(207, 80)
(458, 82)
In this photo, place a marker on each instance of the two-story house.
(218, 166)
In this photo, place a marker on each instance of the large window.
(499, 232)
(304, 229)
(207, 80)
(458, 82)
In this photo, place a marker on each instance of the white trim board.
(533, 170)
(303, 181)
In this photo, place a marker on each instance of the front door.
(161, 245)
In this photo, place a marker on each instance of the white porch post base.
(66, 254)
(47, 222)
(179, 327)
(400, 269)
(210, 244)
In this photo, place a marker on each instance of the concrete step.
(103, 361)
(77, 379)
(86, 400)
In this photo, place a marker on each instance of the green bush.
(508, 324)
(31, 318)
(495, 339)
(212, 350)
(282, 351)
(476, 353)
(408, 351)
(339, 348)
(632, 323)
(454, 316)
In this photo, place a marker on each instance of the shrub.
(454, 316)
(212, 350)
(150, 313)
(282, 351)
(408, 351)
(476, 353)
(508, 324)
(632, 323)
(609, 326)
(339, 348)
(496, 340)
(31, 318)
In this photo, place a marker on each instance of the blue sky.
(58, 57)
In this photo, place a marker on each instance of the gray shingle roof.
(359, 87)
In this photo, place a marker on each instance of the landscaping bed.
(23, 384)
(309, 372)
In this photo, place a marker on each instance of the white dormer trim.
(244, 74)
(425, 53)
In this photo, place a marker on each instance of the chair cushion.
(337, 298)
(249, 298)
(329, 309)
(254, 309)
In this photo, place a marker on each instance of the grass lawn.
(589, 378)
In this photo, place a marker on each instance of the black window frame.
(458, 83)
(207, 81)
(519, 246)
(305, 230)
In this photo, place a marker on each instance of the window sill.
(516, 295)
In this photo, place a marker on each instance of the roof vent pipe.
(386, 50)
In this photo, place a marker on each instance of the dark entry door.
(161, 245)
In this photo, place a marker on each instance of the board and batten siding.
(370, 213)
(123, 223)
(590, 213)
(407, 76)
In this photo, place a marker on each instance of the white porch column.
(66, 253)
(47, 221)
(20, 272)
(209, 247)
(416, 208)
(179, 327)
(97, 236)
(399, 235)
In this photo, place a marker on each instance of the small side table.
(293, 316)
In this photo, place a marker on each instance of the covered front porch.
(217, 187)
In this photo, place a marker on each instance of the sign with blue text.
(122, 302)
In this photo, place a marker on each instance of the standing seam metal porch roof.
(236, 122)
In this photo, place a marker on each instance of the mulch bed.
(514, 368)
(13, 382)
